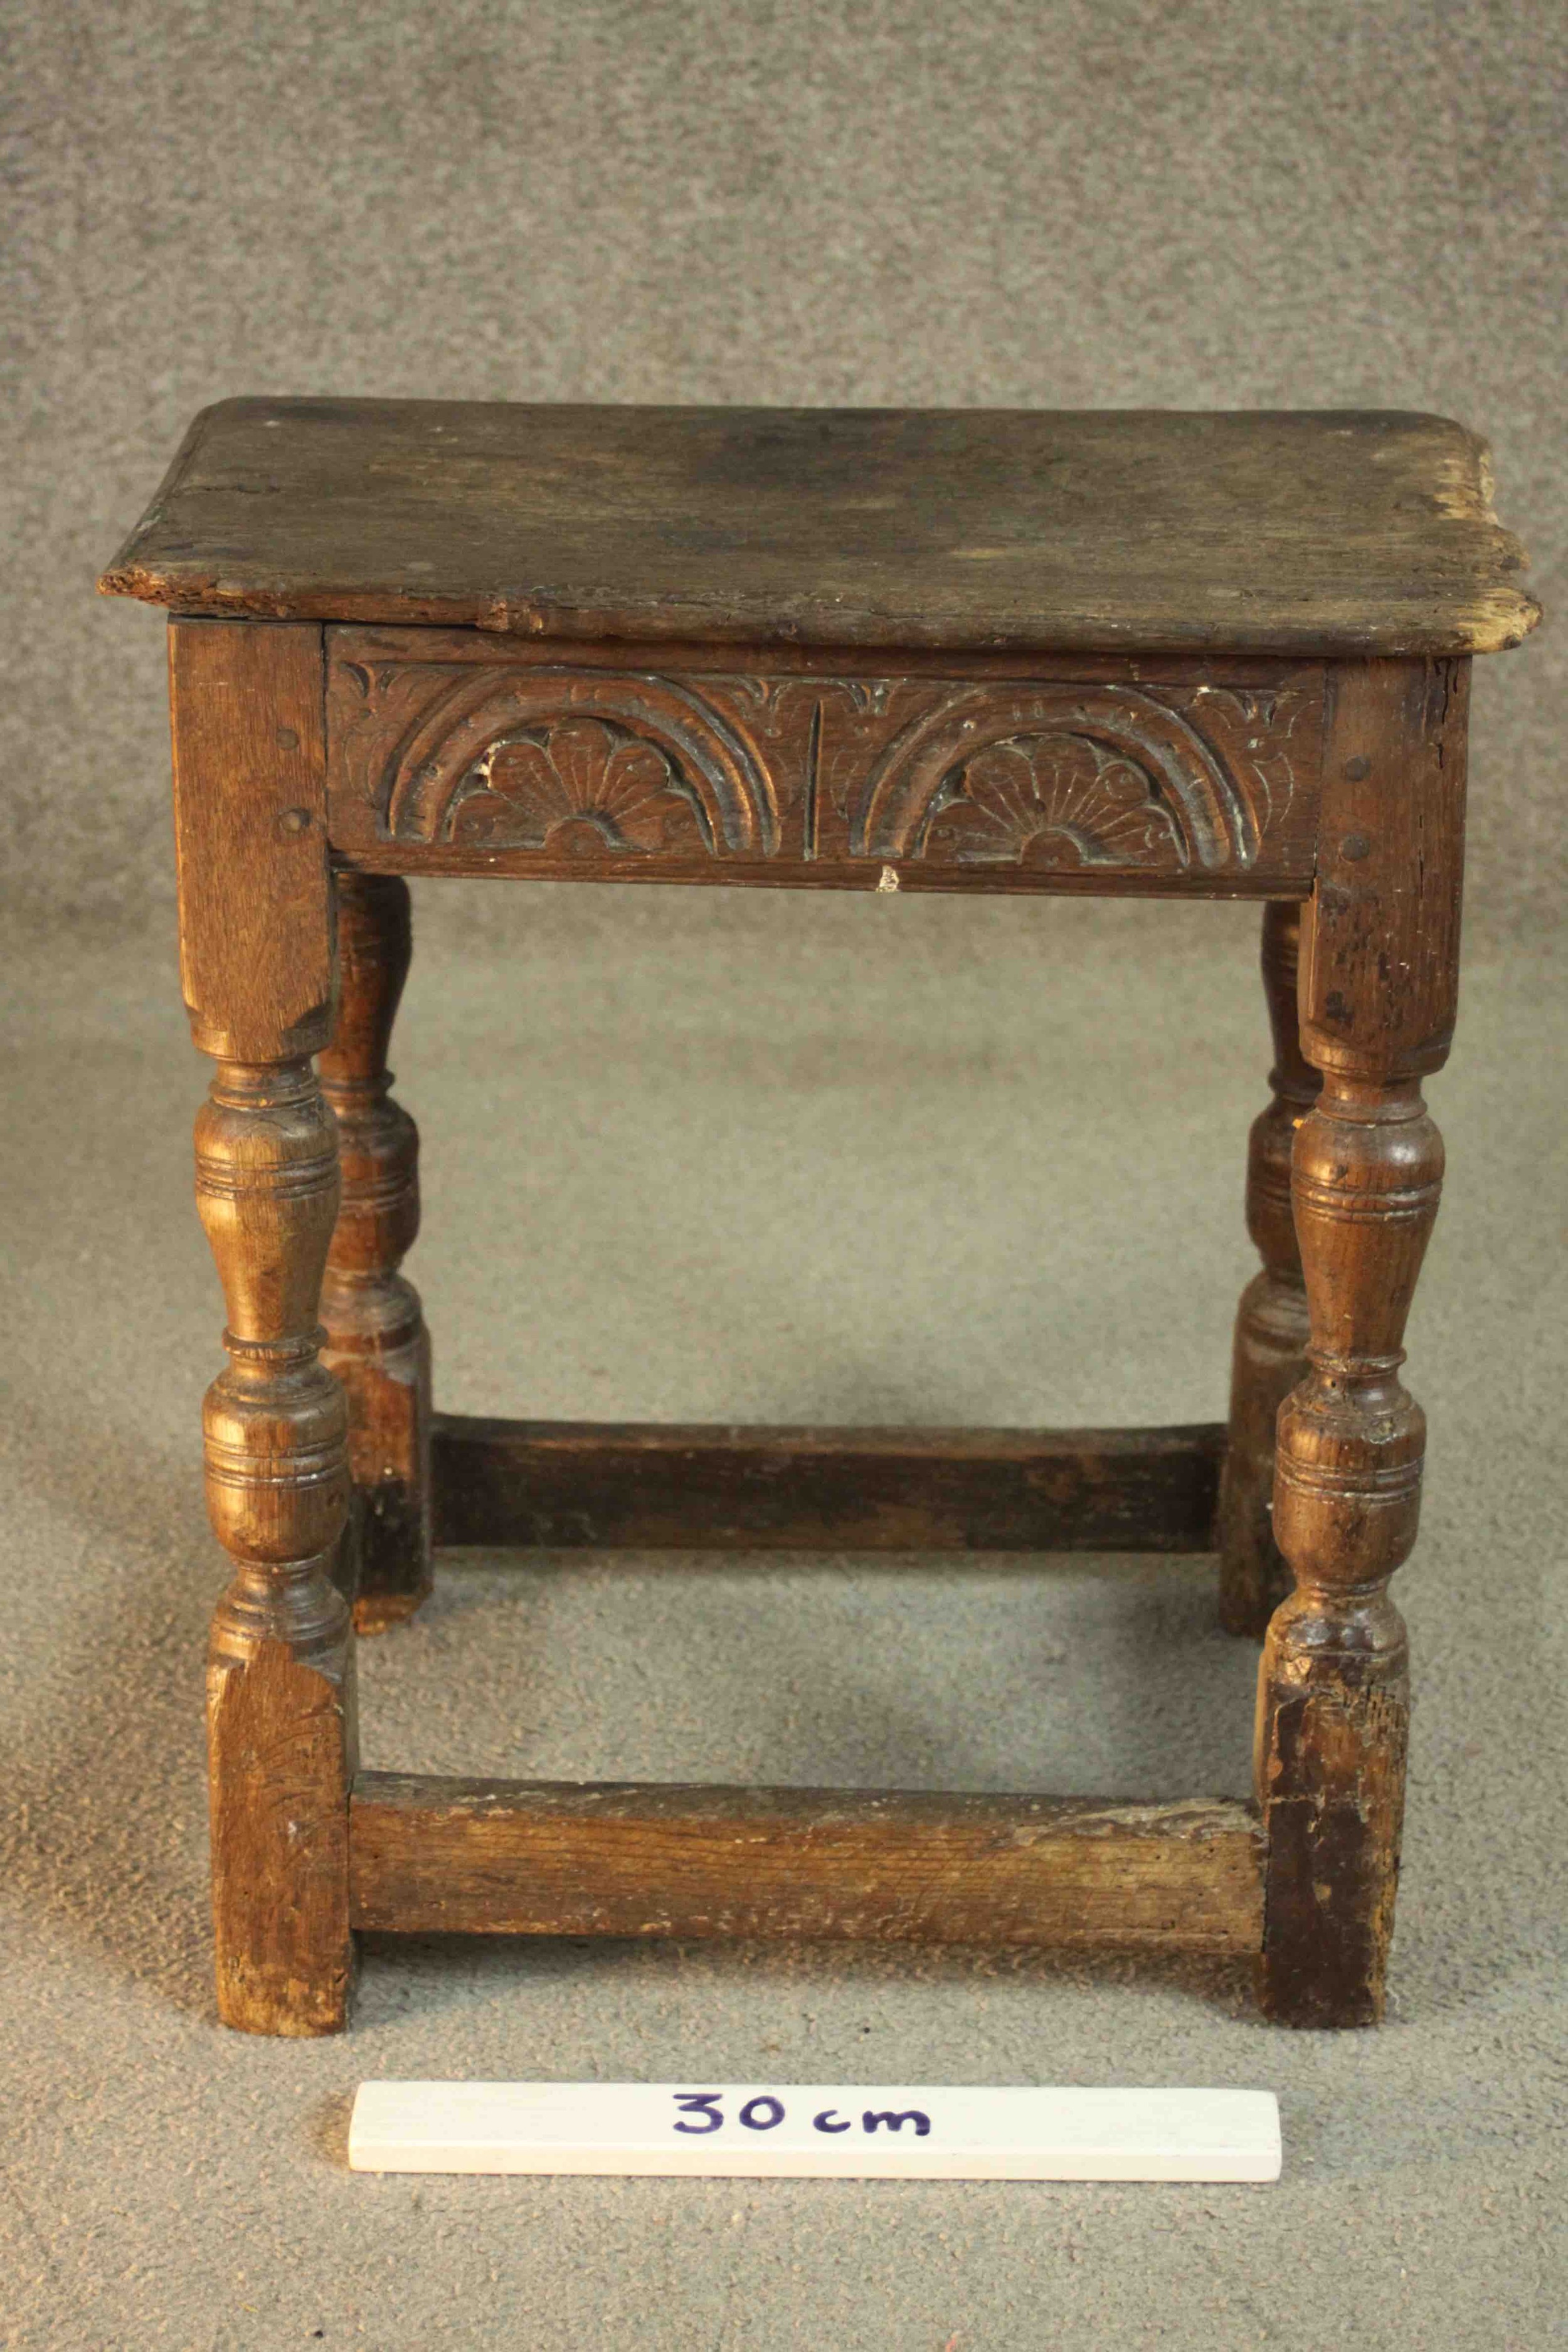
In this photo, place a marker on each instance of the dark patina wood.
(1131, 654)
(450, 752)
(1378, 994)
(248, 795)
(376, 1340)
(1269, 1355)
(575, 1484)
(251, 838)
(439, 1856)
(1340, 531)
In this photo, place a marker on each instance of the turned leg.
(1377, 996)
(256, 969)
(1334, 1701)
(376, 1341)
(1270, 1350)
(279, 1687)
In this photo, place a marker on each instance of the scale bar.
(816, 2131)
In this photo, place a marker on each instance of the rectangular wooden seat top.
(1336, 533)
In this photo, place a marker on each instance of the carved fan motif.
(612, 789)
(1046, 782)
(1052, 800)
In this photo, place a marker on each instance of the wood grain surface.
(280, 1706)
(376, 1343)
(1270, 1352)
(251, 838)
(1378, 994)
(256, 955)
(455, 751)
(1331, 531)
(435, 1857)
(1118, 653)
(571, 1485)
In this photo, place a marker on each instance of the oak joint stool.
(1216, 656)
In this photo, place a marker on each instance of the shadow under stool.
(1129, 653)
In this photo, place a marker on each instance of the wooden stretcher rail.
(438, 1856)
(571, 1485)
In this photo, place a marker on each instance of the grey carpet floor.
(773, 1159)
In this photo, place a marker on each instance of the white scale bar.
(811, 2130)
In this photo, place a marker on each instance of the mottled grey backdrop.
(1164, 201)
(763, 1157)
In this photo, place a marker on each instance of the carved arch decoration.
(588, 761)
(1055, 776)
